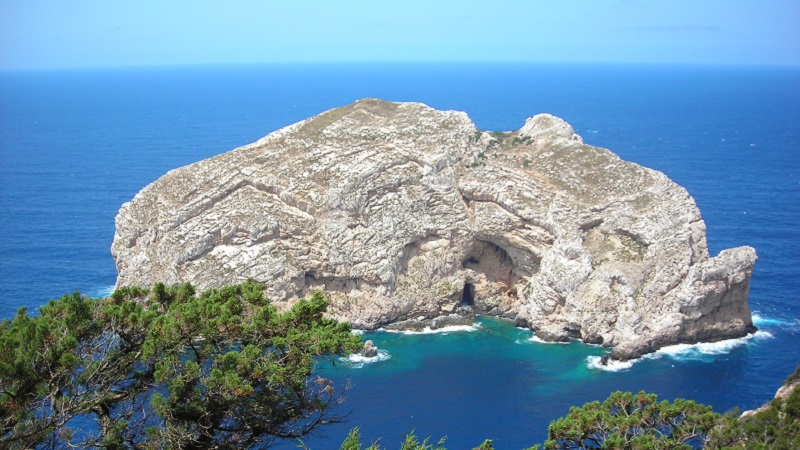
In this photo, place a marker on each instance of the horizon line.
(77, 68)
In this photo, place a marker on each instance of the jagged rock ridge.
(406, 214)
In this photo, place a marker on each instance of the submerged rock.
(405, 213)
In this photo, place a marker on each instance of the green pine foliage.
(410, 442)
(170, 368)
(167, 368)
(633, 421)
(639, 421)
(353, 441)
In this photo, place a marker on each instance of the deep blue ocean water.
(75, 145)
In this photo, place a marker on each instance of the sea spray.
(539, 340)
(357, 361)
(595, 362)
(703, 351)
(762, 321)
(442, 330)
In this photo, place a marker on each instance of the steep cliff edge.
(405, 213)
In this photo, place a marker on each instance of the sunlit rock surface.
(409, 215)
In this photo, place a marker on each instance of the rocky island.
(409, 216)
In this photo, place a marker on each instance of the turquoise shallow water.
(75, 145)
(496, 381)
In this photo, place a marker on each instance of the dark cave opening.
(493, 261)
(468, 296)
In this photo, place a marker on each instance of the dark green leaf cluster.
(167, 368)
(633, 421)
(410, 442)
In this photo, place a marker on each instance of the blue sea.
(75, 145)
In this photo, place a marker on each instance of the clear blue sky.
(91, 33)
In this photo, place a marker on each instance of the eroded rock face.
(405, 213)
(369, 350)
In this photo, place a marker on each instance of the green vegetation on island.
(169, 368)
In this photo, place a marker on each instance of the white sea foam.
(761, 321)
(442, 330)
(357, 360)
(538, 340)
(682, 352)
(103, 292)
(693, 351)
(359, 332)
(593, 362)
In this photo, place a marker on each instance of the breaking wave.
(761, 321)
(682, 352)
(539, 340)
(442, 330)
(357, 360)
(103, 292)
(593, 362)
(696, 351)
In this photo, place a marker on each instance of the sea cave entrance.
(492, 261)
(468, 295)
(495, 271)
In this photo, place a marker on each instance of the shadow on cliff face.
(468, 296)
(492, 274)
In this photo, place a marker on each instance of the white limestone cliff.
(407, 215)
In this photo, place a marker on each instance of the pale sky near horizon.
(42, 34)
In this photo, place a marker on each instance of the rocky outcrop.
(369, 350)
(408, 214)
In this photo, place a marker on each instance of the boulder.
(369, 350)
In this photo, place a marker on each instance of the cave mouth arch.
(493, 261)
(493, 272)
(468, 295)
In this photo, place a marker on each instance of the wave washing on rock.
(442, 330)
(407, 215)
(357, 361)
(679, 352)
(102, 292)
(539, 340)
(597, 362)
(759, 320)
